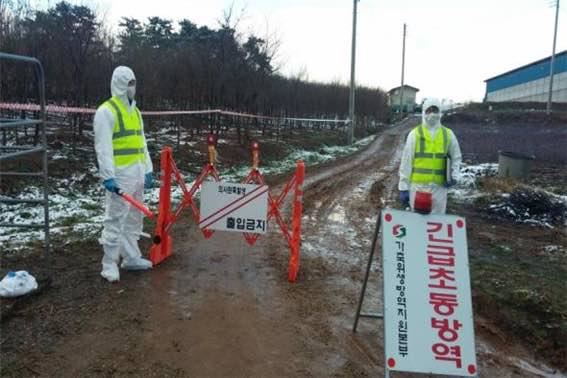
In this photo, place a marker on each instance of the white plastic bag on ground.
(17, 283)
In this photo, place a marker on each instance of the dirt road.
(221, 308)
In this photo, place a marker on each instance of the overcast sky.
(452, 46)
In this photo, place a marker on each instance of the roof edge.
(406, 86)
(564, 52)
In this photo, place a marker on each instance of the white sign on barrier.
(427, 296)
(234, 207)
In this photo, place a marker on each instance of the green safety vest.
(430, 157)
(127, 139)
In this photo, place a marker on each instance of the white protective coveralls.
(439, 192)
(122, 222)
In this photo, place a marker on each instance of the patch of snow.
(466, 189)
(529, 206)
(76, 211)
(536, 207)
(552, 248)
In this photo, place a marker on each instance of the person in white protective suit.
(124, 166)
(431, 160)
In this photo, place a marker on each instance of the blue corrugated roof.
(527, 73)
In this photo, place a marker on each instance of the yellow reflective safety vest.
(430, 157)
(127, 139)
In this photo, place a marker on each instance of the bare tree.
(178, 66)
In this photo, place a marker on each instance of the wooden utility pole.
(350, 137)
(550, 94)
(403, 67)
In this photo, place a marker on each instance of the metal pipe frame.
(21, 147)
(359, 313)
(22, 225)
(29, 174)
(11, 201)
(27, 150)
(21, 153)
(19, 123)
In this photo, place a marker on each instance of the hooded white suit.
(122, 223)
(439, 192)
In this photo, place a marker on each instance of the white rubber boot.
(110, 262)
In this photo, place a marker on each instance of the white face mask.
(432, 119)
(131, 92)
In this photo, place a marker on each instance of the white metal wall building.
(530, 82)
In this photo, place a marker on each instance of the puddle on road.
(337, 239)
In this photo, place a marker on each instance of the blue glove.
(404, 197)
(110, 185)
(149, 180)
(450, 183)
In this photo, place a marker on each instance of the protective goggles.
(432, 109)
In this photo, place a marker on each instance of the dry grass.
(497, 184)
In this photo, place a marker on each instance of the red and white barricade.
(162, 241)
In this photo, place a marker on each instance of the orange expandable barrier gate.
(292, 237)
(162, 241)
